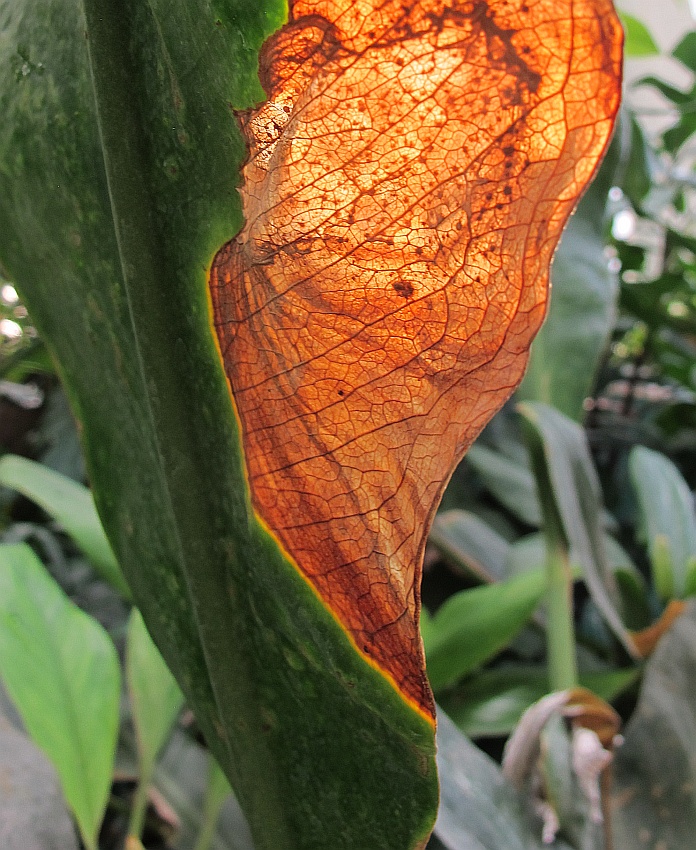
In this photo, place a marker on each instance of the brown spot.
(404, 288)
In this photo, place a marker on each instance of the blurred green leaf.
(638, 42)
(70, 504)
(655, 768)
(574, 490)
(566, 352)
(470, 544)
(667, 518)
(685, 51)
(491, 702)
(511, 482)
(474, 625)
(61, 670)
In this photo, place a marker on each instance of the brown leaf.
(407, 183)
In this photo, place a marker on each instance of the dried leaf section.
(407, 183)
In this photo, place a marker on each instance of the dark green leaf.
(61, 670)
(685, 51)
(120, 207)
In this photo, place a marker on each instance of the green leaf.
(638, 42)
(470, 544)
(114, 198)
(61, 671)
(474, 625)
(511, 482)
(568, 349)
(575, 499)
(685, 51)
(667, 519)
(70, 504)
(490, 703)
(653, 792)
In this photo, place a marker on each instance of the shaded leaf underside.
(408, 180)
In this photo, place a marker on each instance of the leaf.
(490, 703)
(470, 544)
(667, 519)
(370, 315)
(567, 351)
(639, 42)
(71, 505)
(61, 671)
(473, 625)
(278, 690)
(479, 808)
(140, 148)
(653, 795)
(560, 448)
(511, 482)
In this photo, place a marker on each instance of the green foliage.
(61, 670)
(71, 505)
(639, 42)
(474, 625)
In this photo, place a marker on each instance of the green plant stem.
(560, 629)
(139, 805)
(215, 795)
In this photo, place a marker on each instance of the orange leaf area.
(407, 183)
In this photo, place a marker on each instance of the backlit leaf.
(408, 180)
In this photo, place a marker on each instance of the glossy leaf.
(61, 671)
(70, 504)
(474, 625)
(667, 519)
(654, 776)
